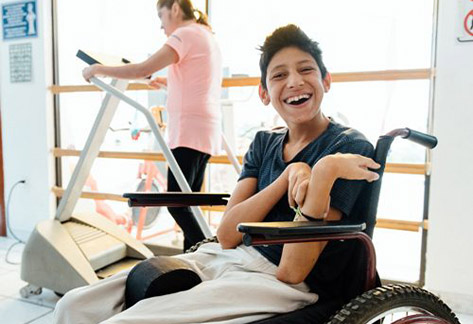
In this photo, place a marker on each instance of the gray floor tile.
(10, 267)
(4, 271)
(14, 257)
(45, 319)
(11, 284)
(5, 242)
(15, 311)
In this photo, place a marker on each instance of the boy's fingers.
(294, 190)
(292, 202)
(292, 195)
(301, 193)
(371, 176)
(289, 194)
(370, 163)
(374, 165)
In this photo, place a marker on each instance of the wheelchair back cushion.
(158, 276)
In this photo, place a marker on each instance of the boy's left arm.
(298, 259)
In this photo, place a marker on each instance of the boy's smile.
(295, 86)
(297, 100)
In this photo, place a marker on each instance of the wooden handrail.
(58, 192)
(394, 224)
(386, 75)
(403, 168)
(402, 225)
(406, 168)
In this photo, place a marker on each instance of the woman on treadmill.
(194, 87)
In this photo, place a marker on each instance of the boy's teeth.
(296, 98)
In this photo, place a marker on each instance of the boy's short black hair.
(288, 36)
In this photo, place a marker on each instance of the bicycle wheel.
(152, 213)
(395, 304)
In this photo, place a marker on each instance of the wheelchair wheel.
(392, 303)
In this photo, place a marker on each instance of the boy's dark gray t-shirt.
(264, 161)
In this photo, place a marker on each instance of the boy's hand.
(352, 166)
(298, 181)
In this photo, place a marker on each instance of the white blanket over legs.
(239, 286)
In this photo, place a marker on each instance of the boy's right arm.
(246, 206)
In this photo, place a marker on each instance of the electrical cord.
(7, 216)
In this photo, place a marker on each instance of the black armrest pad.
(175, 199)
(282, 230)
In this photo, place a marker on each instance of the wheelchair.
(368, 302)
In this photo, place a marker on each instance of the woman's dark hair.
(187, 9)
(288, 36)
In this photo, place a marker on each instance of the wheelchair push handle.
(423, 139)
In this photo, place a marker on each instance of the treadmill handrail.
(175, 169)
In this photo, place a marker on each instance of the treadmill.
(77, 249)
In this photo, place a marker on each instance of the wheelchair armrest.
(298, 232)
(291, 232)
(175, 199)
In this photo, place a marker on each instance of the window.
(355, 36)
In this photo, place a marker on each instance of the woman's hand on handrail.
(158, 83)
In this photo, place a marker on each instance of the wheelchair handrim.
(401, 312)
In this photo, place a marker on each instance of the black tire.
(383, 301)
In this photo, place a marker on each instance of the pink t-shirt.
(195, 83)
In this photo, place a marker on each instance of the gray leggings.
(239, 286)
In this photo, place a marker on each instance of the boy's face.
(295, 86)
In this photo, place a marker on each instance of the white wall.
(28, 138)
(450, 241)
(27, 129)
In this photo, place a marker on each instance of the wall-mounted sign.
(465, 24)
(21, 62)
(19, 20)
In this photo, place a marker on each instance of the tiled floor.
(14, 309)
(39, 309)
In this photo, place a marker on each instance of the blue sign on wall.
(19, 20)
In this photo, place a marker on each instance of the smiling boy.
(298, 165)
(302, 162)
